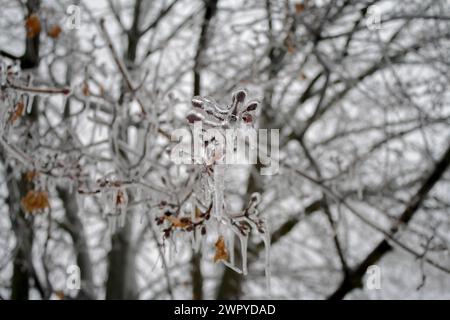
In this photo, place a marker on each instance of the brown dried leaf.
(120, 198)
(86, 90)
(31, 175)
(177, 222)
(33, 26)
(54, 31)
(18, 111)
(198, 213)
(60, 295)
(35, 201)
(221, 250)
(299, 8)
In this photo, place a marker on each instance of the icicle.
(122, 203)
(112, 224)
(198, 240)
(219, 185)
(266, 239)
(121, 218)
(231, 248)
(29, 103)
(244, 242)
(104, 202)
(3, 74)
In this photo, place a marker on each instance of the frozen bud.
(159, 221)
(256, 197)
(167, 232)
(252, 106)
(203, 231)
(197, 102)
(247, 118)
(184, 220)
(240, 95)
(192, 117)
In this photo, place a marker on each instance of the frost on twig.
(208, 213)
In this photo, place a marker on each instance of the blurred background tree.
(358, 89)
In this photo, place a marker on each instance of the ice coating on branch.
(3, 73)
(213, 115)
(30, 100)
(266, 239)
(204, 211)
(244, 244)
(121, 206)
(219, 188)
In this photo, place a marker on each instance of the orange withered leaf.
(59, 295)
(120, 198)
(54, 31)
(85, 89)
(18, 111)
(299, 8)
(198, 213)
(35, 201)
(31, 175)
(176, 222)
(33, 26)
(221, 250)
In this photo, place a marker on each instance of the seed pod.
(247, 118)
(251, 106)
(197, 102)
(184, 220)
(240, 95)
(167, 232)
(191, 118)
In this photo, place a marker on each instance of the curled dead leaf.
(120, 198)
(221, 250)
(60, 295)
(178, 223)
(33, 25)
(86, 90)
(35, 201)
(299, 8)
(31, 175)
(54, 31)
(198, 213)
(18, 111)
